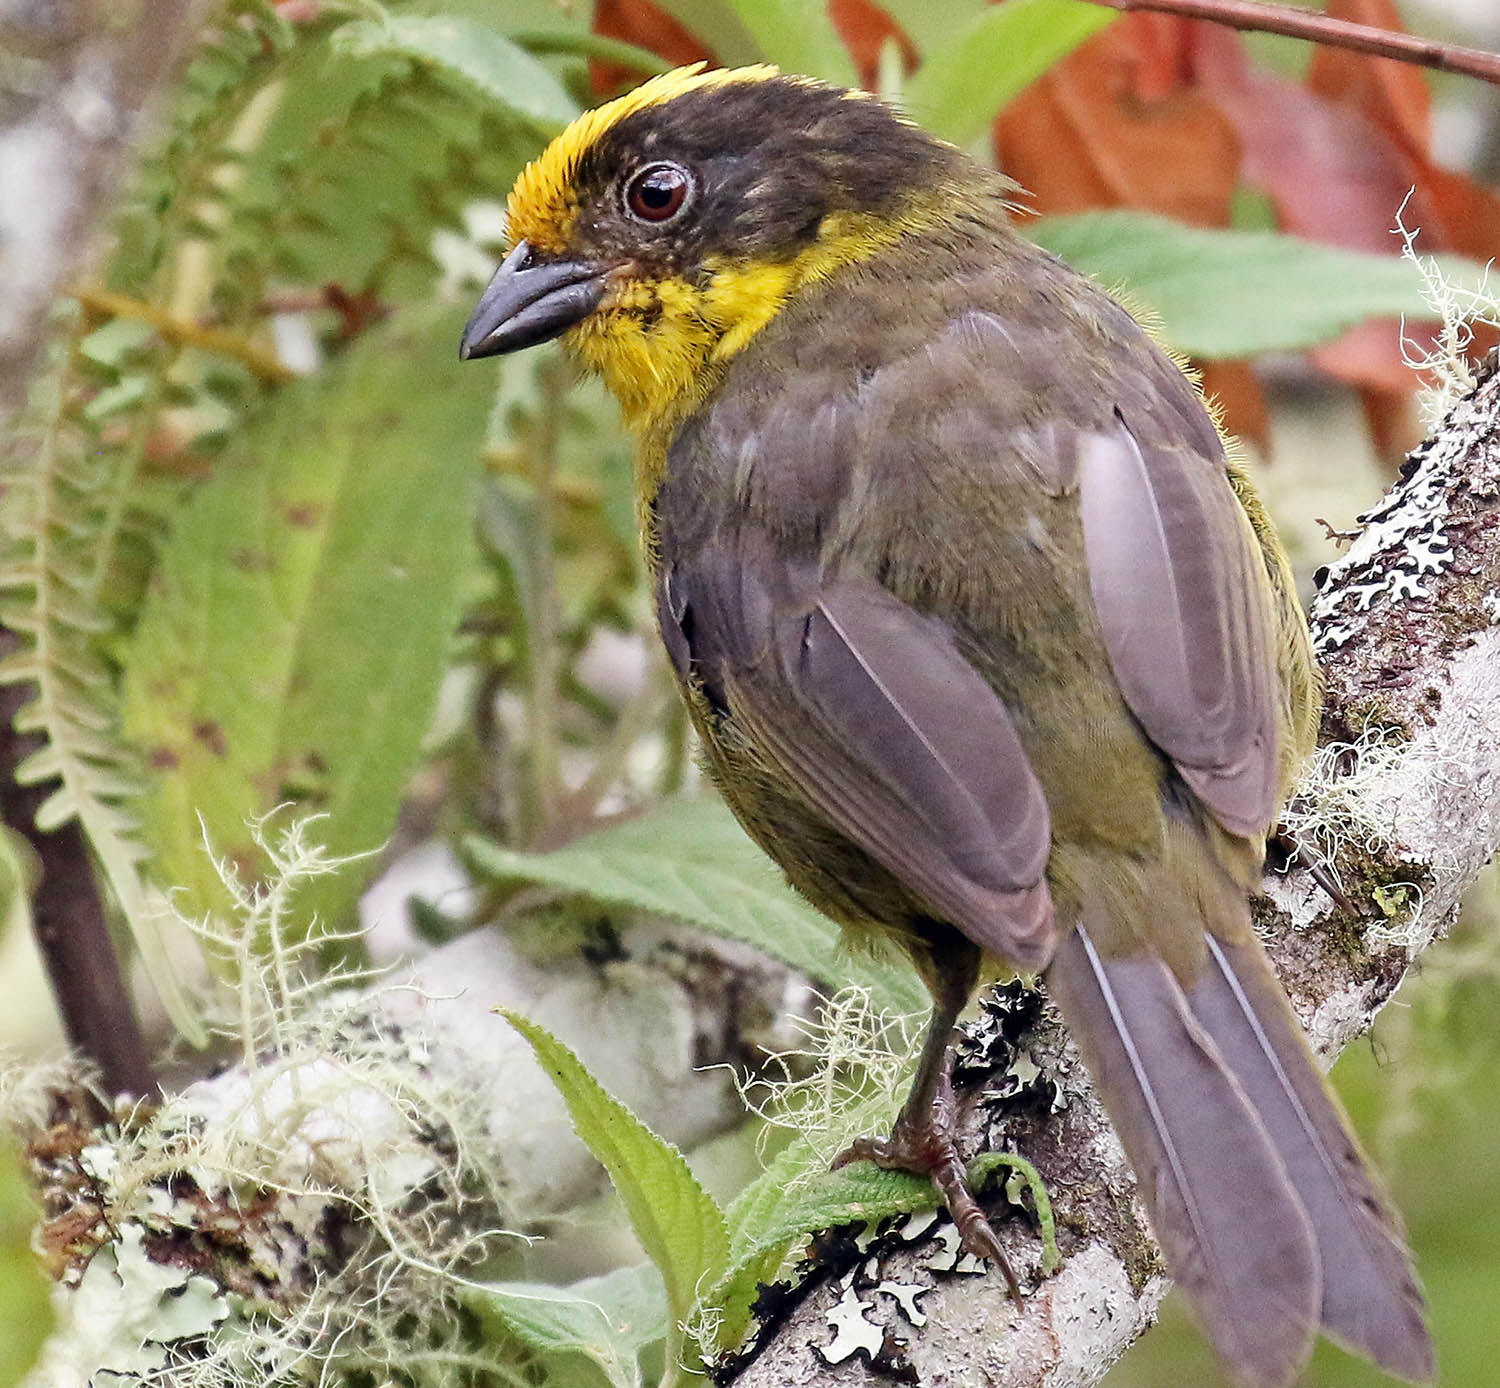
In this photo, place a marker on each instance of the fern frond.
(371, 170)
(54, 510)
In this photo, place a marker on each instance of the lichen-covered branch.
(373, 1144)
(1407, 626)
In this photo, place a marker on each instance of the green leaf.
(798, 37)
(588, 45)
(677, 1222)
(1234, 293)
(787, 1203)
(793, 1198)
(928, 23)
(495, 66)
(607, 1319)
(689, 859)
(25, 1291)
(298, 627)
(962, 83)
(718, 27)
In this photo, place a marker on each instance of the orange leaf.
(1332, 175)
(1393, 95)
(864, 28)
(1369, 355)
(647, 26)
(1120, 123)
(1337, 159)
(1462, 215)
(1234, 387)
(1391, 418)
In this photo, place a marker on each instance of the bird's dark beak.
(527, 303)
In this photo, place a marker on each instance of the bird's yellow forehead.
(544, 202)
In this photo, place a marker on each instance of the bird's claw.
(926, 1148)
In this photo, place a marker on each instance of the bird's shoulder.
(956, 374)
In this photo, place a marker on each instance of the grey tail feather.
(1234, 1232)
(1371, 1302)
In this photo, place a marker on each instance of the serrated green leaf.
(25, 1292)
(974, 72)
(793, 1199)
(798, 37)
(298, 626)
(608, 1319)
(1223, 294)
(690, 859)
(501, 70)
(678, 1223)
(787, 1203)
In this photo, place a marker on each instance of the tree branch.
(1406, 629)
(67, 914)
(1332, 33)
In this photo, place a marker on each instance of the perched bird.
(989, 646)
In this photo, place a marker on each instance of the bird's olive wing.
(881, 726)
(1186, 616)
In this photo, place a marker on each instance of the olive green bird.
(989, 646)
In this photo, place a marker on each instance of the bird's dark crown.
(768, 156)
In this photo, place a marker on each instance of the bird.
(988, 640)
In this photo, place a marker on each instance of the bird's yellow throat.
(657, 343)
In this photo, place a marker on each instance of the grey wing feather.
(883, 726)
(1172, 566)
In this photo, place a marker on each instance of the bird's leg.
(921, 1139)
(1283, 845)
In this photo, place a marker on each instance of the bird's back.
(906, 422)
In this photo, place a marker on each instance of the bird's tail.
(1266, 1210)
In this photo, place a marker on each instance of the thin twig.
(638, 715)
(261, 364)
(1333, 33)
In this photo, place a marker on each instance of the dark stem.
(71, 930)
(1334, 33)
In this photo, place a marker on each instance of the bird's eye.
(657, 192)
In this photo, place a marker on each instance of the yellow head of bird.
(660, 232)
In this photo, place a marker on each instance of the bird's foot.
(924, 1146)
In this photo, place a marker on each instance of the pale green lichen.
(1344, 797)
(305, 1216)
(1345, 808)
(1446, 364)
(842, 1083)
